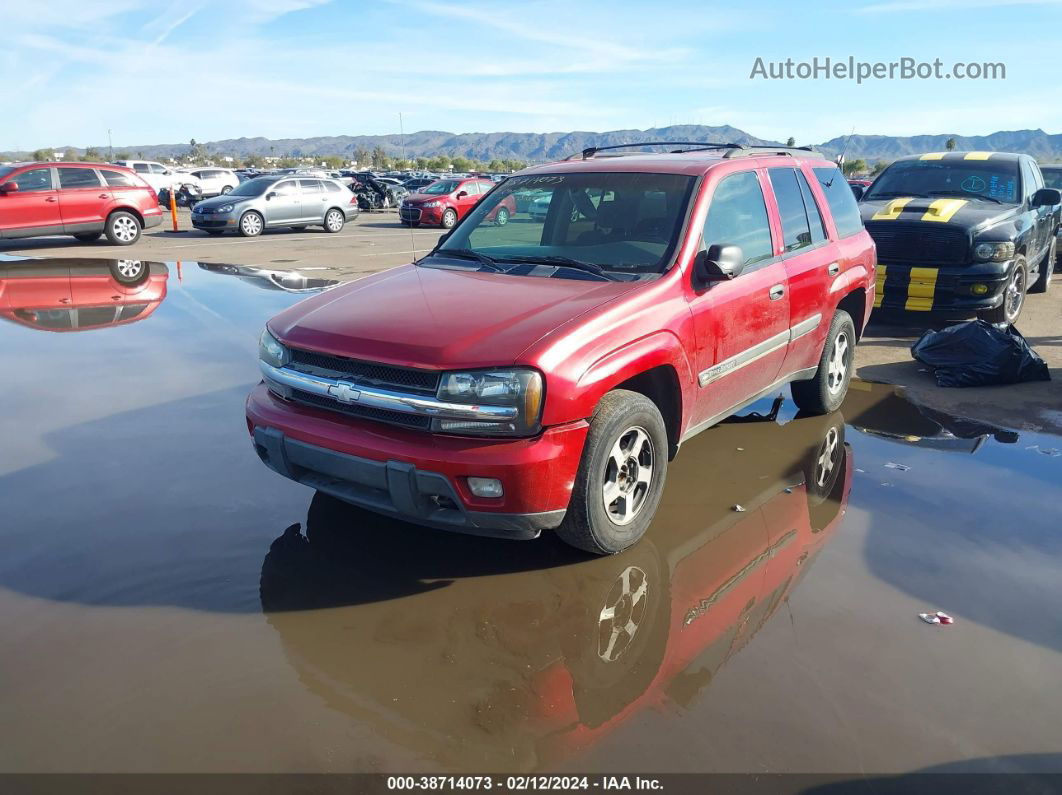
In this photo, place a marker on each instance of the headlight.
(995, 252)
(272, 352)
(520, 388)
(433, 204)
(225, 208)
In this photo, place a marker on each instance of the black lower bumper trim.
(393, 488)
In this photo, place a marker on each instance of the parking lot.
(375, 241)
(171, 605)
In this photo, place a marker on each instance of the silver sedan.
(265, 202)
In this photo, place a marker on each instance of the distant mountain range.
(533, 147)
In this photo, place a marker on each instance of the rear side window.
(78, 178)
(35, 179)
(815, 222)
(118, 179)
(334, 187)
(842, 203)
(794, 216)
(141, 168)
(738, 217)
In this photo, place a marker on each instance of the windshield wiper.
(565, 262)
(467, 253)
(964, 195)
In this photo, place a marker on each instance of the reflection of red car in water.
(478, 658)
(80, 294)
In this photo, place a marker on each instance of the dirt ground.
(376, 241)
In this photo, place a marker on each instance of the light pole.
(110, 146)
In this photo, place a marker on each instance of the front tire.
(1047, 270)
(501, 218)
(449, 218)
(122, 229)
(334, 221)
(226, 189)
(1013, 296)
(826, 390)
(251, 224)
(621, 475)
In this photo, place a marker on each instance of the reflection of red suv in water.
(80, 294)
(542, 373)
(537, 654)
(447, 201)
(85, 200)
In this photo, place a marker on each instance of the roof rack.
(590, 151)
(732, 150)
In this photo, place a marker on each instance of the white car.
(157, 175)
(215, 181)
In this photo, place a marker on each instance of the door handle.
(777, 292)
(105, 196)
(834, 268)
(64, 300)
(51, 199)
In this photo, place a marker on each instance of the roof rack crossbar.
(590, 151)
(751, 150)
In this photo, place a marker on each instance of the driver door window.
(738, 217)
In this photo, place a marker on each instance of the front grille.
(363, 412)
(410, 213)
(907, 243)
(368, 373)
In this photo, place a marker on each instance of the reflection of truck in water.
(882, 410)
(80, 294)
(477, 654)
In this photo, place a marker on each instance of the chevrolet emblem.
(344, 392)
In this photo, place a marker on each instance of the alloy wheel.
(125, 229)
(622, 614)
(837, 367)
(628, 475)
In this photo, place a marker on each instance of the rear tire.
(826, 390)
(226, 189)
(1013, 296)
(87, 237)
(334, 221)
(621, 475)
(501, 218)
(122, 228)
(1047, 270)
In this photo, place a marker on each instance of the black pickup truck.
(962, 233)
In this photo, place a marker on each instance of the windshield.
(5, 170)
(442, 187)
(618, 222)
(988, 179)
(252, 187)
(1052, 177)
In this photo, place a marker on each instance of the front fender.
(661, 348)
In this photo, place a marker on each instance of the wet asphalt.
(168, 604)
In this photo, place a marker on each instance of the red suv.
(541, 374)
(85, 200)
(447, 201)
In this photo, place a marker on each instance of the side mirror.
(9, 187)
(461, 194)
(270, 195)
(858, 191)
(719, 263)
(1046, 197)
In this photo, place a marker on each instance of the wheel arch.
(855, 304)
(124, 208)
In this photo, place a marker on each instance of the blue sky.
(167, 72)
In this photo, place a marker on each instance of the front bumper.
(215, 220)
(946, 291)
(418, 476)
(418, 214)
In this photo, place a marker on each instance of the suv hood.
(441, 319)
(953, 211)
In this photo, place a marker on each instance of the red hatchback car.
(541, 374)
(85, 200)
(447, 201)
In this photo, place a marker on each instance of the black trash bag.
(977, 353)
